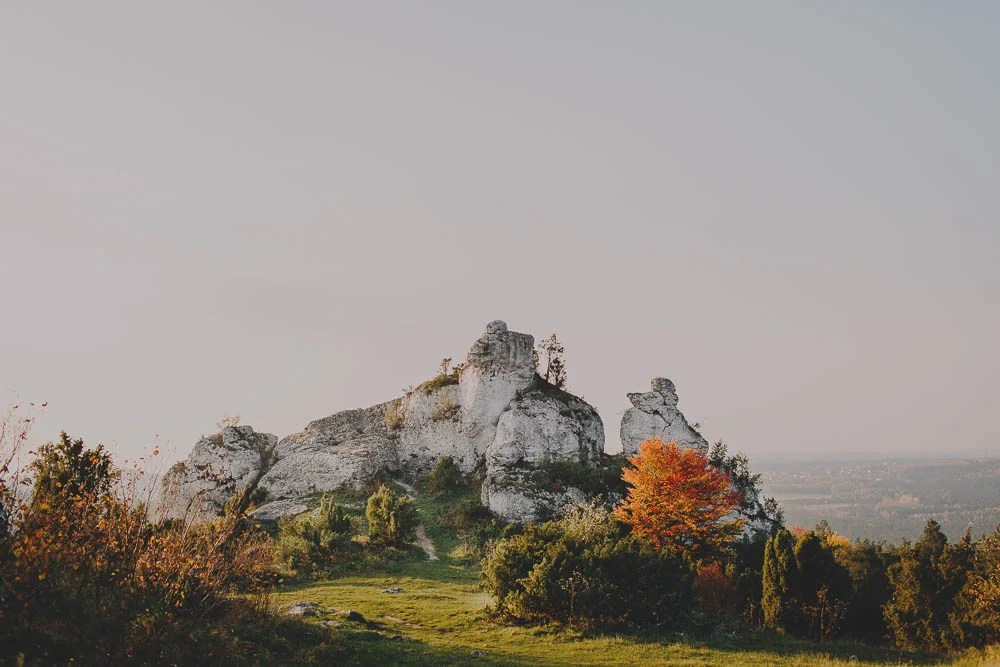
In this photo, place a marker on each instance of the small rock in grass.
(393, 590)
(302, 609)
(478, 651)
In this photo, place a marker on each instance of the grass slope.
(439, 619)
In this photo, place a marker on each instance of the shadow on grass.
(371, 647)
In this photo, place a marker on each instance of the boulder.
(302, 609)
(542, 426)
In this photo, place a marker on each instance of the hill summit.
(493, 414)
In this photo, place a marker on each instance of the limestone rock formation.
(492, 413)
(217, 467)
(541, 426)
(655, 415)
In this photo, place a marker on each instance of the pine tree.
(821, 587)
(926, 583)
(779, 573)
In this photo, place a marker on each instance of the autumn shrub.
(586, 569)
(88, 577)
(678, 500)
(715, 589)
(392, 519)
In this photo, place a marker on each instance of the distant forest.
(889, 499)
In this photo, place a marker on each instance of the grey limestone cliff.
(492, 414)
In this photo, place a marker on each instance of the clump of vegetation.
(476, 526)
(929, 606)
(314, 541)
(444, 411)
(586, 568)
(392, 520)
(599, 479)
(228, 422)
(446, 376)
(91, 575)
(445, 477)
(395, 417)
(762, 514)
(806, 592)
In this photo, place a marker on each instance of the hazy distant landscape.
(890, 498)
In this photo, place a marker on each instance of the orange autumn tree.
(678, 500)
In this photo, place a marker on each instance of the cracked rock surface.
(654, 414)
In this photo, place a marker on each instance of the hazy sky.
(281, 210)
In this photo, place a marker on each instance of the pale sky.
(281, 210)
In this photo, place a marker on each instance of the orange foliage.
(89, 571)
(678, 500)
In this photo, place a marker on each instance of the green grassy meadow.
(440, 618)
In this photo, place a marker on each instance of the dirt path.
(422, 539)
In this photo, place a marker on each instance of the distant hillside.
(889, 498)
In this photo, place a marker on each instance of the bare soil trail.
(422, 539)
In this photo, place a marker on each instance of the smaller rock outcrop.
(543, 425)
(217, 467)
(655, 415)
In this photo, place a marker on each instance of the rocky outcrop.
(655, 415)
(491, 414)
(217, 467)
(540, 427)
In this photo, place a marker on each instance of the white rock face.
(655, 415)
(494, 412)
(515, 504)
(217, 467)
(541, 426)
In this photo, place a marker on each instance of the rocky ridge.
(493, 415)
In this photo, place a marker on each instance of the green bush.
(446, 476)
(394, 417)
(313, 541)
(465, 515)
(475, 525)
(392, 520)
(602, 478)
(585, 568)
(922, 612)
